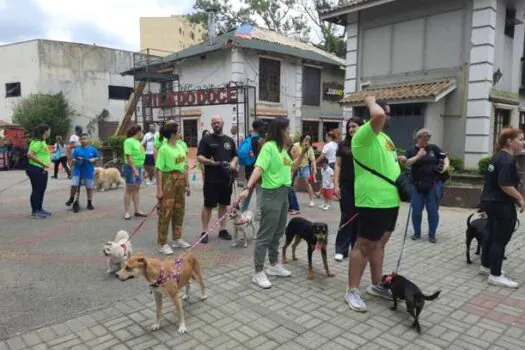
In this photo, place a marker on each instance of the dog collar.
(125, 248)
(240, 223)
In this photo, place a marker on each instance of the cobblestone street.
(56, 295)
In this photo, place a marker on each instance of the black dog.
(478, 229)
(315, 234)
(403, 289)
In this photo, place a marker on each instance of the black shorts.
(217, 193)
(374, 222)
(150, 160)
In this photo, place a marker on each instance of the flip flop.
(127, 217)
(141, 215)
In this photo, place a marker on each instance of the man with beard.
(376, 201)
(218, 153)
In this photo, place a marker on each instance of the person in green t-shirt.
(172, 185)
(275, 167)
(39, 157)
(134, 157)
(376, 201)
(160, 141)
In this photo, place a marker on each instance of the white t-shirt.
(329, 150)
(149, 141)
(75, 139)
(328, 178)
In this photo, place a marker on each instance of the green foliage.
(400, 151)
(227, 18)
(483, 164)
(97, 144)
(456, 163)
(296, 137)
(93, 123)
(50, 109)
(116, 142)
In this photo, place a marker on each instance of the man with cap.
(428, 165)
(74, 142)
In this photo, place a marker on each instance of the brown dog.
(166, 277)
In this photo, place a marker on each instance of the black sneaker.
(205, 239)
(76, 207)
(415, 237)
(224, 234)
(432, 239)
(69, 202)
(90, 206)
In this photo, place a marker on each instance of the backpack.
(246, 153)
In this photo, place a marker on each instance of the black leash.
(404, 239)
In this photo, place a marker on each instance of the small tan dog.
(166, 277)
(105, 178)
(241, 221)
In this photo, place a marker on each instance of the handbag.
(402, 183)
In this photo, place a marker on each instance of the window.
(13, 90)
(510, 22)
(269, 80)
(192, 35)
(311, 128)
(119, 92)
(311, 86)
(522, 120)
(501, 120)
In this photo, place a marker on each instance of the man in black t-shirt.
(218, 153)
(428, 166)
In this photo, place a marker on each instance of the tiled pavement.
(299, 314)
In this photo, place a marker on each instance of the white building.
(88, 75)
(454, 66)
(286, 78)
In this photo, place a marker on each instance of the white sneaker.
(321, 206)
(179, 243)
(485, 271)
(502, 281)
(311, 204)
(147, 183)
(327, 207)
(261, 280)
(338, 257)
(166, 250)
(354, 300)
(278, 270)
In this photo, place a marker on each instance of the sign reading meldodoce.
(204, 97)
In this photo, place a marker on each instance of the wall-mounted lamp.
(496, 77)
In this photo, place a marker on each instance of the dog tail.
(468, 220)
(433, 296)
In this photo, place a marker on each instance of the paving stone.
(16, 343)
(31, 338)
(38, 347)
(46, 334)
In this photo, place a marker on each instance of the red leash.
(348, 222)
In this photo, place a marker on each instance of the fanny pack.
(402, 183)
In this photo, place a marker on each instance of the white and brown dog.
(166, 277)
(241, 221)
(118, 251)
(105, 178)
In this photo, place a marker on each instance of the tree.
(50, 109)
(227, 18)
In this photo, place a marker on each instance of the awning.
(416, 92)
(271, 112)
(5, 124)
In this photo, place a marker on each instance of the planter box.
(461, 196)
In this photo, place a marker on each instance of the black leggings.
(38, 178)
(501, 223)
(347, 236)
(63, 161)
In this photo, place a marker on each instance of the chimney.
(212, 30)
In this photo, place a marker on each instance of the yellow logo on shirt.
(180, 159)
(286, 161)
(390, 146)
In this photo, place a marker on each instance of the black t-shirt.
(424, 168)
(502, 171)
(344, 150)
(221, 149)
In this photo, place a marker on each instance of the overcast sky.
(113, 23)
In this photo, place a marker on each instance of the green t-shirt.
(158, 144)
(171, 158)
(133, 148)
(41, 151)
(377, 151)
(276, 166)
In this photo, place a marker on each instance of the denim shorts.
(75, 181)
(304, 172)
(127, 172)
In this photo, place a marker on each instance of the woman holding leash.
(498, 200)
(172, 185)
(307, 167)
(344, 189)
(134, 158)
(39, 159)
(274, 165)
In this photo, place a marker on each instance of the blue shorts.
(75, 181)
(127, 172)
(150, 160)
(304, 172)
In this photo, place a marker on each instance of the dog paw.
(155, 326)
(204, 297)
(185, 297)
(331, 274)
(294, 259)
(245, 245)
(393, 308)
(182, 329)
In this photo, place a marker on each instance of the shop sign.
(333, 91)
(203, 97)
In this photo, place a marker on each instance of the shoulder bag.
(402, 182)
